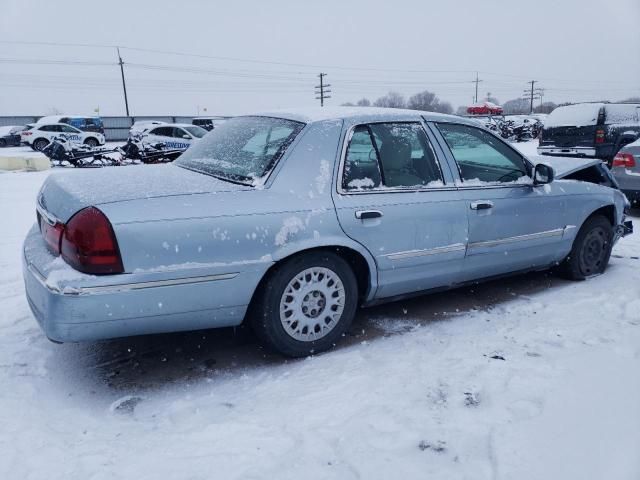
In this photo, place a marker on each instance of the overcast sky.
(266, 54)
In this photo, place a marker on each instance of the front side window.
(196, 132)
(180, 133)
(244, 149)
(392, 155)
(481, 157)
(68, 129)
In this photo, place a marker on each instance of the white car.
(175, 135)
(41, 135)
(142, 126)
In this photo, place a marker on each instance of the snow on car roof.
(578, 115)
(316, 114)
(175, 125)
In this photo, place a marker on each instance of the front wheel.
(306, 304)
(39, 144)
(591, 249)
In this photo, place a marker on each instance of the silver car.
(291, 220)
(626, 170)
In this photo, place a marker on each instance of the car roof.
(46, 124)
(175, 125)
(56, 118)
(359, 114)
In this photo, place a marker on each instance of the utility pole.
(124, 85)
(532, 82)
(532, 94)
(322, 90)
(477, 80)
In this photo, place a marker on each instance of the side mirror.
(186, 137)
(543, 174)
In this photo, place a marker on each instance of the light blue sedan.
(291, 220)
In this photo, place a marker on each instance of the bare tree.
(491, 99)
(391, 100)
(546, 107)
(347, 104)
(429, 102)
(363, 102)
(516, 106)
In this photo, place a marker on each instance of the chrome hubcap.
(312, 304)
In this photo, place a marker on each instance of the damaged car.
(291, 220)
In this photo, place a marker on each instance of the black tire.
(591, 249)
(266, 315)
(91, 142)
(39, 144)
(3, 142)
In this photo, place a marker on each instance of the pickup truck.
(596, 130)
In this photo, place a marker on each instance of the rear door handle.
(365, 214)
(481, 205)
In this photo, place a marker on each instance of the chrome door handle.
(365, 214)
(481, 205)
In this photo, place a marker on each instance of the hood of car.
(565, 166)
(64, 193)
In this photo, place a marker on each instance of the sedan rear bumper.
(568, 151)
(77, 310)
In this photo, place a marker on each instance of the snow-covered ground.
(526, 378)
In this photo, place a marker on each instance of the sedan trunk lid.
(64, 193)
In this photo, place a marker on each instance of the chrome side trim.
(456, 247)
(127, 287)
(568, 228)
(518, 238)
(155, 283)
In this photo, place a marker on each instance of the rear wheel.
(91, 142)
(306, 304)
(591, 249)
(40, 143)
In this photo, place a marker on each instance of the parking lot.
(488, 381)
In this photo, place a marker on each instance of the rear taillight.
(26, 133)
(52, 233)
(89, 243)
(625, 160)
(599, 136)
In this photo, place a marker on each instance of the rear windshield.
(243, 149)
(622, 113)
(579, 115)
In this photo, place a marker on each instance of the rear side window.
(481, 157)
(392, 155)
(162, 131)
(621, 113)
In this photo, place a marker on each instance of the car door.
(159, 134)
(73, 134)
(395, 198)
(513, 224)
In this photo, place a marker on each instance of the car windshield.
(197, 132)
(243, 149)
